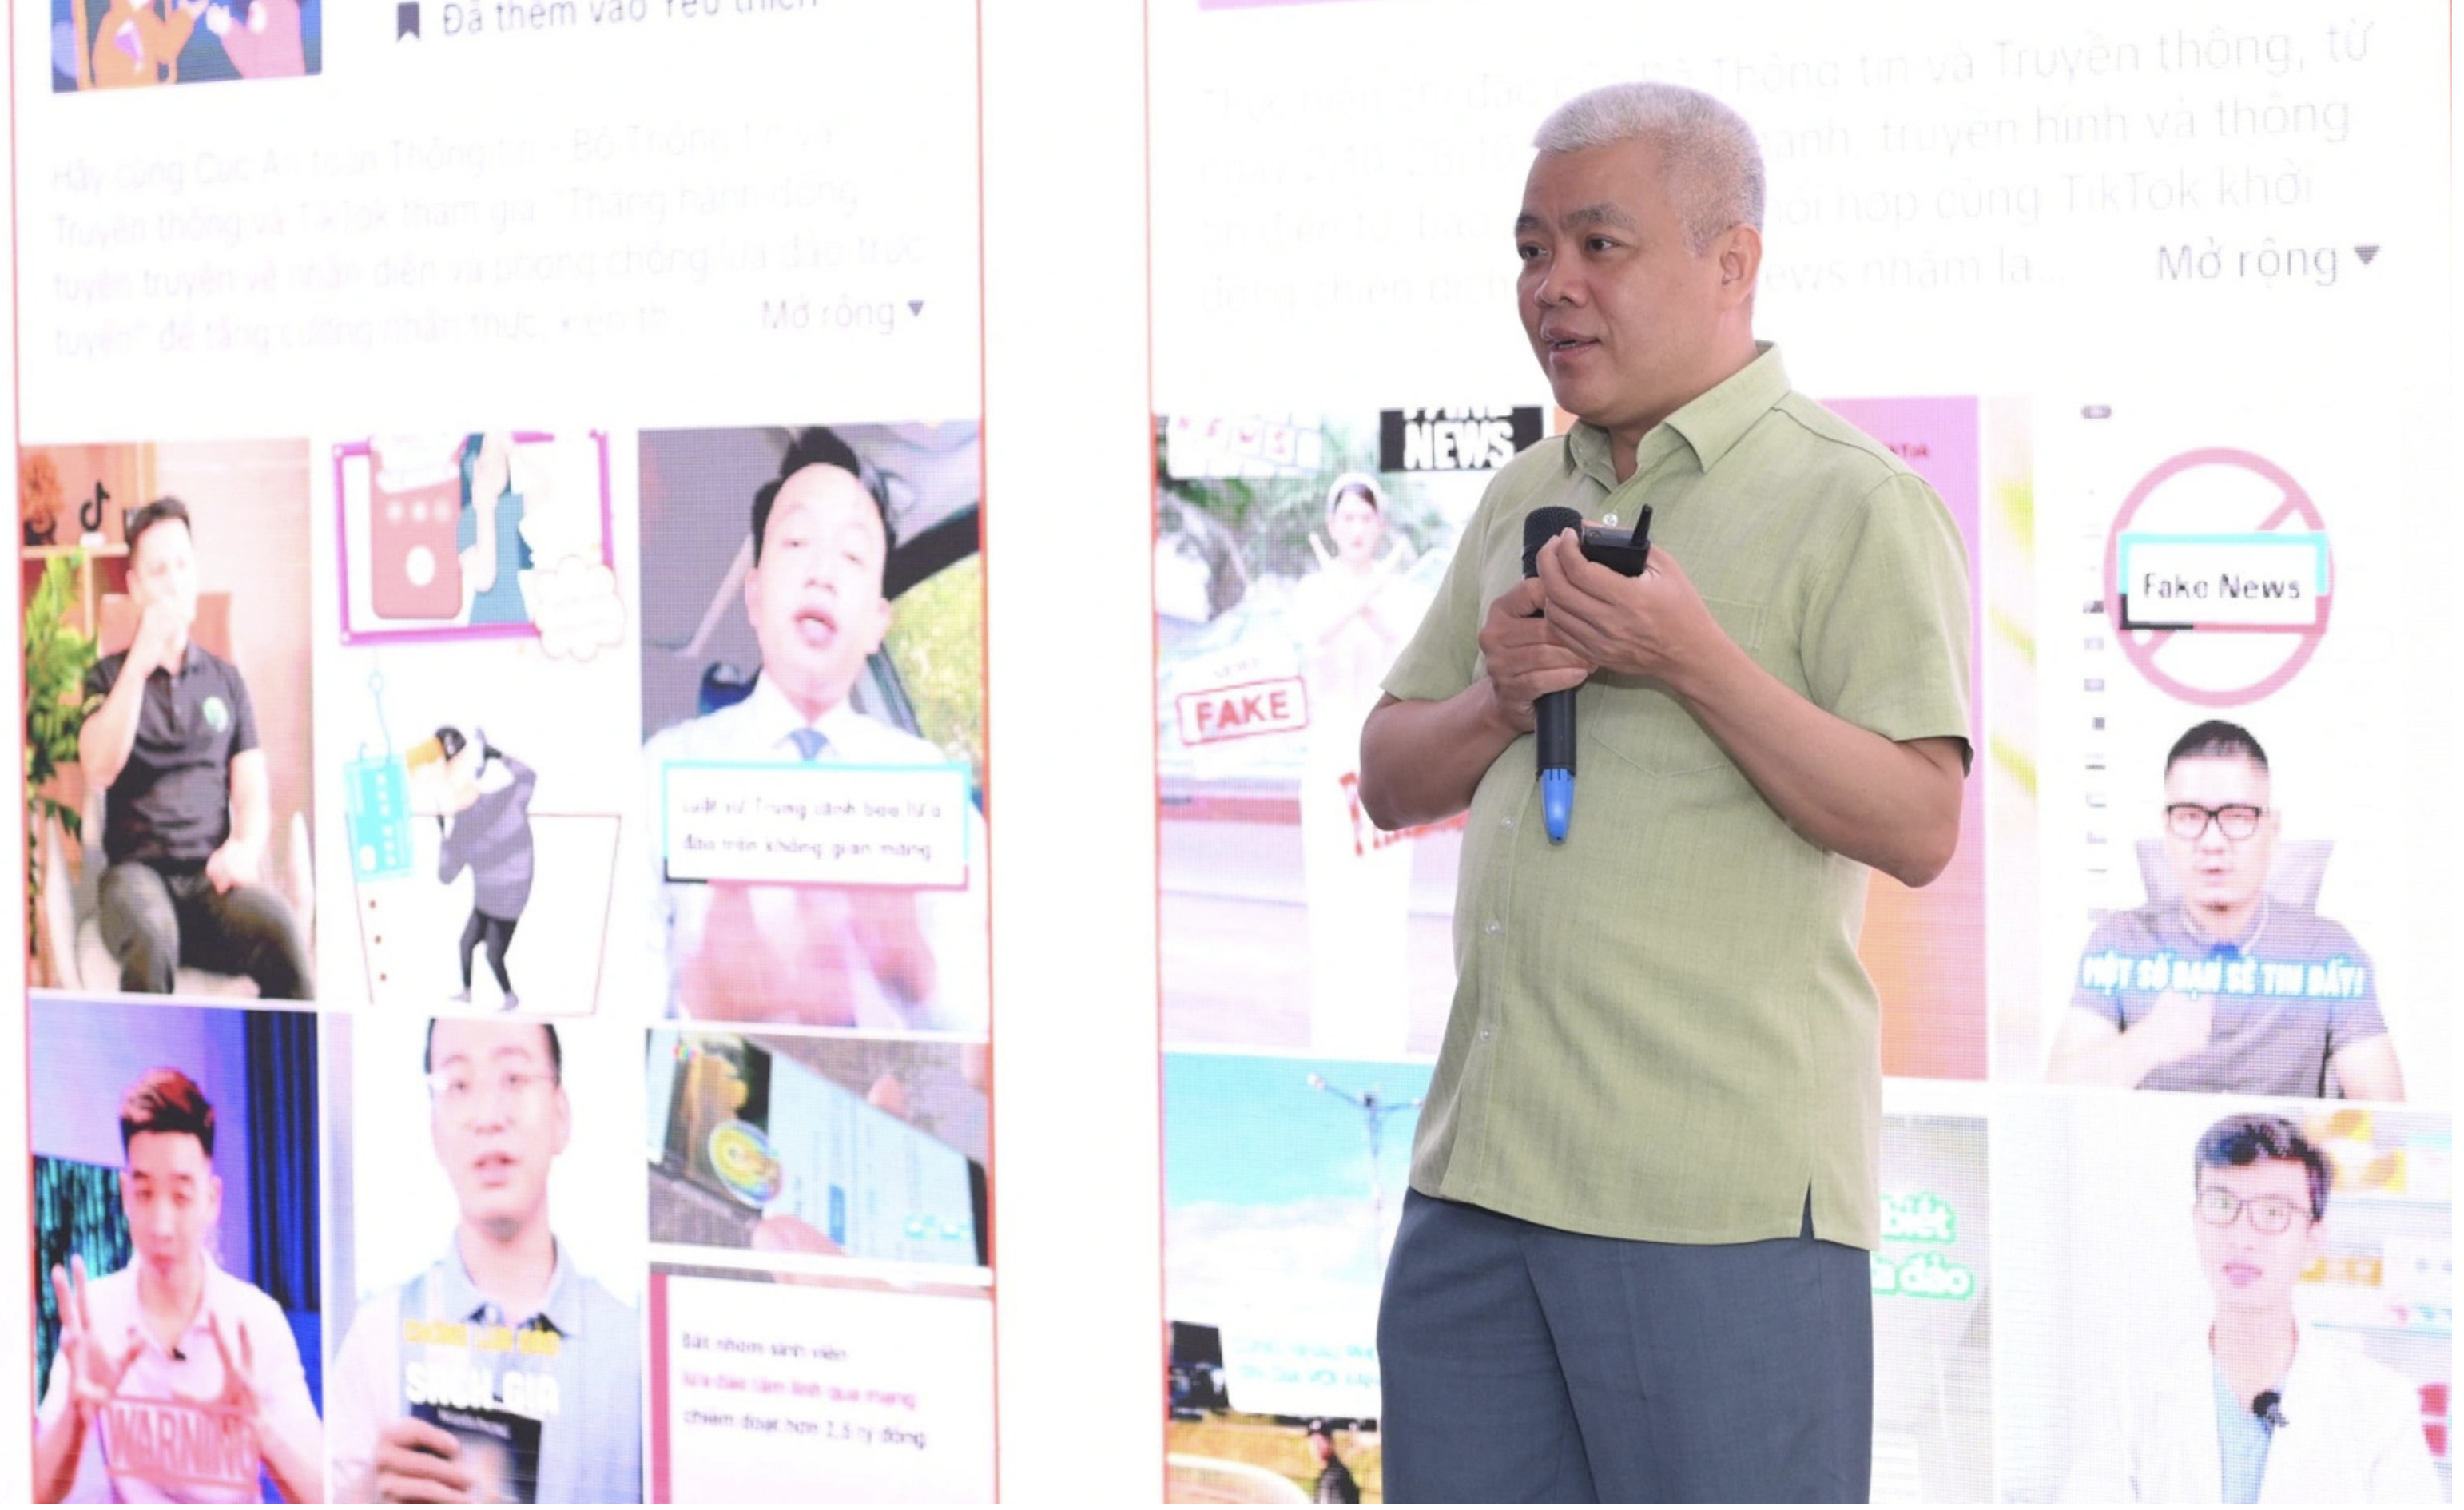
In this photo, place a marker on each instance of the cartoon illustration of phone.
(415, 566)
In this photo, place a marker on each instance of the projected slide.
(172, 1158)
(525, 1150)
(2138, 296)
(2226, 884)
(500, 493)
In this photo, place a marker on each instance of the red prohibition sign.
(2144, 646)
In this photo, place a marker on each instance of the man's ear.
(880, 611)
(1740, 251)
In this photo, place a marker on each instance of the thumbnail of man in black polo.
(186, 812)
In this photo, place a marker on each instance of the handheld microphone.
(1621, 551)
(2268, 1405)
(1554, 713)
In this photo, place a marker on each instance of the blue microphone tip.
(1558, 803)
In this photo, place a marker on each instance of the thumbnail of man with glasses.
(499, 1373)
(2224, 988)
(2264, 1408)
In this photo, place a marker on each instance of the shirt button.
(1505, 822)
(1484, 1035)
(1495, 927)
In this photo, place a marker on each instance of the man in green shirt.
(1631, 1265)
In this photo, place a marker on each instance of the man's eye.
(1600, 244)
(1526, 251)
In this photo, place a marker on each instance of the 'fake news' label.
(2267, 580)
(823, 823)
(1273, 707)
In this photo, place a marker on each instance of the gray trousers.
(1523, 1363)
(154, 923)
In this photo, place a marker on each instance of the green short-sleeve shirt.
(1660, 1028)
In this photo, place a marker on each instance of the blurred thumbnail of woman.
(1352, 617)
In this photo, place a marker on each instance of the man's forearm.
(110, 732)
(2091, 1051)
(251, 800)
(1421, 761)
(297, 1467)
(1894, 806)
(248, 824)
(2369, 1071)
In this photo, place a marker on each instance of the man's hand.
(890, 932)
(1891, 804)
(793, 1235)
(1420, 761)
(236, 864)
(94, 1371)
(1651, 626)
(1526, 657)
(2179, 1025)
(239, 1373)
(420, 1464)
(160, 630)
(745, 973)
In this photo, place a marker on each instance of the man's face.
(461, 783)
(163, 569)
(2218, 871)
(815, 598)
(1622, 314)
(171, 1197)
(1321, 1447)
(499, 1118)
(2248, 1269)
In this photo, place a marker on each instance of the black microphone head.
(1541, 526)
(2268, 1407)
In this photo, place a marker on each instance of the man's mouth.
(817, 628)
(492, 1167)
(2242, 1276)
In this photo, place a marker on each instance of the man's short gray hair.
(1715, 167)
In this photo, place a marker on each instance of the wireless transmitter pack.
(1621, 551)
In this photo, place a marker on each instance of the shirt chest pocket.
(1651, 730)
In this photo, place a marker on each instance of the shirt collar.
(774, 718)
(1711, 424)
(2200, 944)
(462, 1301)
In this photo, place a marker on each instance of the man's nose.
(1558, 284)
